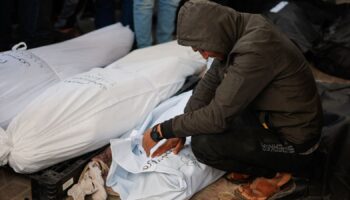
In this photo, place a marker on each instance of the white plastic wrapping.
(168, 49)
(98, 48)
(84, 112)
(24, 74)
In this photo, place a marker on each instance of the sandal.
(267, 189)
(284, 190)
(238, 178)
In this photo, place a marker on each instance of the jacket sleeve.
(246, 77)
(205, 90)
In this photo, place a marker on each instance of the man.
(256, 112)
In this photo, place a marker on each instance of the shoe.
(267, 189)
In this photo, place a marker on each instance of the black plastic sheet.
(332, 53)
(335, 142)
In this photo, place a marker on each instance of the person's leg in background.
(127, 14)
(28, 14)
(6, 12)
(36, 26)
(66, 14)
(166, 20)
(44, 34)
(143, 12)
(104, 13)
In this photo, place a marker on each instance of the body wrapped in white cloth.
(24, 74)
(84, 112)
(135, 176)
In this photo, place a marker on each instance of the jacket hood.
(209, 26)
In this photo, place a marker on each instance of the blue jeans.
(166, 15)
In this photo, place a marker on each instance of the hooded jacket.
(263, 71)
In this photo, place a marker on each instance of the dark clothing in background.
(33, 19)
(331, 54)
(104, 13)
(335, 143)
(321, 30)
(264, 72)
(66, 17)
(28, 13)
(127, 14)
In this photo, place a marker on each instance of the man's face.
(207, 54)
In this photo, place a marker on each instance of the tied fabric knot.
(20, 46)
(6, 146)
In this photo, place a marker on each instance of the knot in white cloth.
(20, 46)
(6, 146)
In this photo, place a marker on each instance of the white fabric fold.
(5, 147)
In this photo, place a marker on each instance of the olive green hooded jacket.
(263, 71)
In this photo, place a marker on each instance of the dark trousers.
(250, 149)
(34, 22)
(127, 13)
(27, 19)
(104, 13)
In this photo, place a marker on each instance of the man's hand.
(174, 143)
(147, 142)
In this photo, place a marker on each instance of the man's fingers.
(169, 144)
(156, 153)
(147, 151)
(162, 149)
(147, 142)
(145, 147)
(177, 144)
(178, 147)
